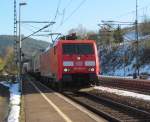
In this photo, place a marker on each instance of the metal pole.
(20, 46)
(15, 32)
(137, 40)
(19, 43)
(124, 60)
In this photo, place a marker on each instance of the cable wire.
(133, 11)
(73, 12)
(57, 10)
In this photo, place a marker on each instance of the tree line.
(7, 63)
(109, 34)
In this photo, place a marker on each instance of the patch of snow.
(128, 77)
(14, 101)
(4, 83)
(14, 114)
(129, 70)
(145, 37)
(14, 94)
(145, 68)
(124, 70)
(131, 36)
(124, 93)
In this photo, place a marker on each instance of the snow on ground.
(106, 76)
(14, 101)
(14, 94)
(123, 93)
(131, 36)
(4, 83)
(14, 113)
(145, 68)
(129, 70)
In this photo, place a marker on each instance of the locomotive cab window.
(81, 49)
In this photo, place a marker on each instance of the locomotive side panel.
(49, 63)
(44, 64)
(36, 63)
(53, 62)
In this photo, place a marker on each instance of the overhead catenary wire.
(64, 11)
(72, 13)
(56, 13)
(63, 15)
(28, 29)
(31, 27)
(133, 11)
(46, 26)
(68, 4)
(57, 10)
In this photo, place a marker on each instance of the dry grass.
(22, 112)
(0, 97)
(4, 103)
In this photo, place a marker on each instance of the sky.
(69, 14)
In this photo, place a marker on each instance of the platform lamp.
(20, 46)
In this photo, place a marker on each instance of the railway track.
(112, 111)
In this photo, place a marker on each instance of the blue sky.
(90, 13)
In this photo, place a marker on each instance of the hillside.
(121, 59)
(29, 46)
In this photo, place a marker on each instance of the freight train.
(68, 61)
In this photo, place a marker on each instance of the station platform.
(41, 104)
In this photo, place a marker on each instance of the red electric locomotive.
(71, 60)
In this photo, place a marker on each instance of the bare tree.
(105, 34)
(9, 64)
(145, 26)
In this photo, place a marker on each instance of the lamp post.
(20, 46)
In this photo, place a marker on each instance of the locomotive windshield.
(80, 49)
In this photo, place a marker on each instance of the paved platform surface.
(43, 105)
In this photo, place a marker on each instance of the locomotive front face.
(78, 58)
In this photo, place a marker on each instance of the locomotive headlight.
(92, 69)
(89, 63)
(65, 70)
